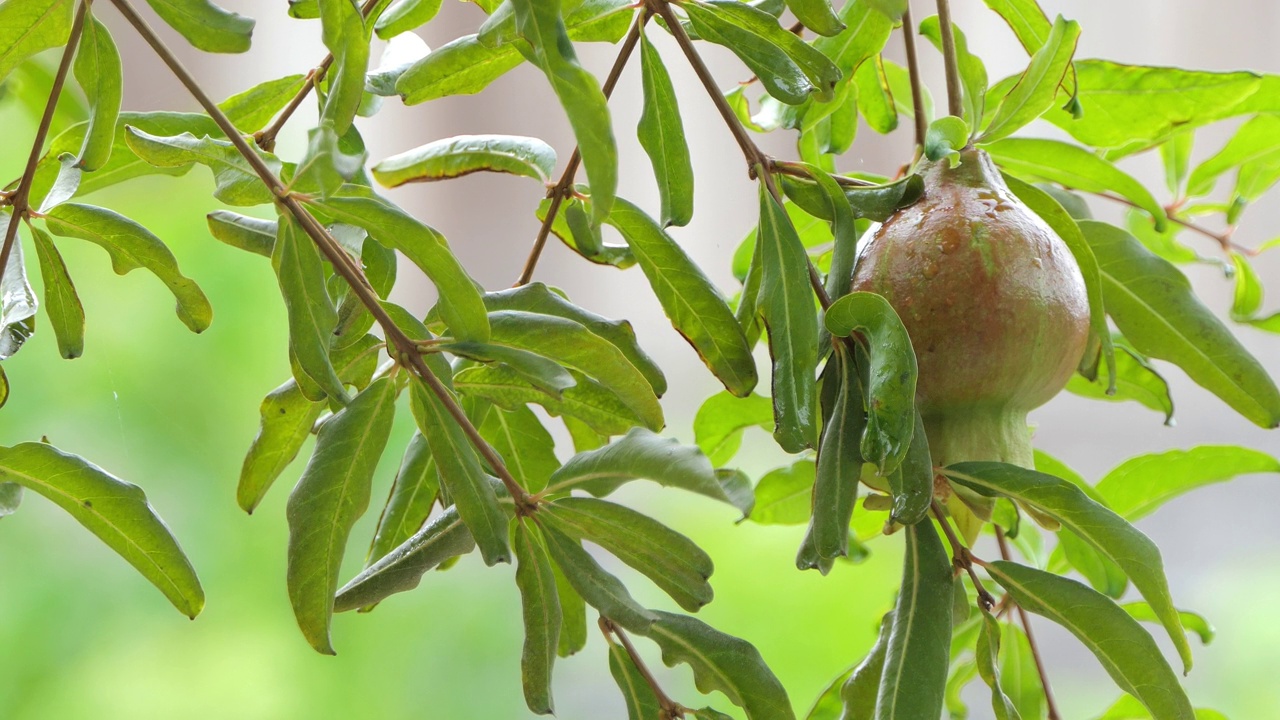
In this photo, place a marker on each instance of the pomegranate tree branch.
(1223, 238)
(913, 72)
(20, 198)
(1031, 639)
(955, 97)
(266, 138)
(404, 348)
(564, 186)
(962, 558)
(668, 708)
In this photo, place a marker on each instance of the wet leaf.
(835, 487)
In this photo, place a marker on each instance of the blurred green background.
(83, 636)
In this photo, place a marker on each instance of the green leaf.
(328, 162)
(973, 74)
(945, 137)
(816, 15)
(66, 184)
(1108, 533)
(1154, 306)
(462, 67)
(1137, 106)
(405, 15)
(828, 705)
(460, 304)
(545, 375)
(588, 400)
(721, 420)
(114, 510)
(642, 703)
(237, 182)
(1126, 651)
(1176, 154)
(1026, 19)
(573, 629)
(858, 693)
(865, 32)
(788, 68)
(287, 417)
(724, 663)
(574, 229)
(18, 302)
(205, 25)
(414, 493)
(1193, 622)
(1129, 708)
(876, 202)
(251, 110)
(347, 38)
(29, 27)
(1135, 380)
(784, 496)
(598, 588)
(132, 246)
(915, 666)
(10, 496)
(401, 53)
(1254, 141)
(61, 302)
(465, 154)
(638, 454)
(311, 313)
(402, 569)
(890, 394)
(1073, 166)
(461, 475)
(541, 608)
(835, 486)
(1036, 89)
(97, 69)
(661, 132)
(875, 98)
(690, 300)
(671, 560)
(786, 304)
(332, 494)
(988, 655)
(251, 234)
(911, 483)
(1140, 485)
(526, 447)
(539, 23)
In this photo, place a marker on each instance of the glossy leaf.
(1126, 651)
(988, 656)
(911, 483)
(347, 39)
(786, 305)
(311, 313)
(872, 203)
(526, 447)
(662, 136)
(541, 608)
(114, 510)
(858, 693)
(863, 37)
(402, 569)
(1154, 306)
(27, 28)
(237, 183)
(721, 420)
(544, 374)
(784, 496)
(61, 302)
(589, 401)
(404, 15)
(574, 229)
(816, 15)
(1027, 21)
(251, 234)
(18, 302)
(465, 154)
(461, 475)
(462, 67)
(915, 665)
(132, 246)
(1108, 533)
(1140, 485)
(724, 663)
(251, 110)
(332, 494)
(97, 70)
(206, 26)
(835, 487)
(597, 587)
(875, 98)
(973, 74)
(1035, 91)
(945, 137)
(671, 560)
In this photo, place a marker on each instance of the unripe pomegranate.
(993, 301)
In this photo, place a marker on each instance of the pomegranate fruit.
(995, 306)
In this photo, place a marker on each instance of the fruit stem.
(913, 72)
(955, 97)
(1031, 639)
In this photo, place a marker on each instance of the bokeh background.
(83, 636)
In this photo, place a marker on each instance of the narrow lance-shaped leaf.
(543, 373)
(915, 669)
(596, 586)
(784, 496)
(875, 98)
(786, 304)
(205, 25)
(988, 655)
(414, 493)
(526, 447)
(1154, 306)
(641, 702)
(835, 487)
(859, 692)
(573, 629)
(724, 663)
(690, 300)
(252, 109)
(816, 15)
(1193, 622)
(97, 69)
(462, 475)
(891, 390)
(461, 67)
(251, 234)
(332, 494)
(61, 302)
(465, 154)
(347, 39)
(541, 607)
(540, 24)
(312, 316)
(405, 15)
(662, 136)
(911, 483)
(1140, 485)
(30, 27)
(133, 246)
(18, 302)
(722, 419)
(1135, 380)
(287, 418)
(237, 182)
(444, 538)
(329, 161)
(1126, 651)
(114, 510)
(589, 401)
(1035, 91)
(1107, 532)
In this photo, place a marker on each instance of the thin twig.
(794, 169)
(1223, 239)
(962, 557)
(20, 198)
(913, 72)
(266, 138)
(668, 708)
(564, 186)
(1031, 639)
(955, 95)
(343, 265)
